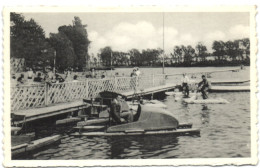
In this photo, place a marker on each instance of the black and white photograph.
(126, 84)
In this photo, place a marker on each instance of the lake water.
(225, 131)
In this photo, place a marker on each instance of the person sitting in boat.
(204, 87)
(185, 85)
(117, 113)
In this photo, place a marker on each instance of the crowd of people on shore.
(50, 76)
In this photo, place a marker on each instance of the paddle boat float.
(193, 99)
(147, 120)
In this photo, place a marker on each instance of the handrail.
(32, 96)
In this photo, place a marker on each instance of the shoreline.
(180, 66)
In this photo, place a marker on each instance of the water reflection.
(205, 117)
(221, 136)
(141, 146)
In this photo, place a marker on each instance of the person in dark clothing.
(185, 85)
(38, 78)
(204, 87)
(119, 113)
(115, 111)
(20, 80)
(133, 74)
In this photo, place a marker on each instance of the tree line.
(133, 57)
(66, 49)
(224, 53)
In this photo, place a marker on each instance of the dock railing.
(33, 96)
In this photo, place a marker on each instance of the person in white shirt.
(138, 73)
(185, 85)
(30, 75)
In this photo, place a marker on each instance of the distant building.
(210, 58)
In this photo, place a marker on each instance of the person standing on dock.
(30, 75)
(138, 72)
(204, 87)
(185, 85)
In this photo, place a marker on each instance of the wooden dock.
(151, 90)
(53, 110)
(230, 89)
(61, 108)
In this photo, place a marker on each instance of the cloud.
(142, 35)
(126, 36)
(216, 35)
(239, 31)
(213, 36)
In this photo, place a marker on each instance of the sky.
(124, 31)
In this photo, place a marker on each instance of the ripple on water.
(225, 132)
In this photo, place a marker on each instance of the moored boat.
(147, 120)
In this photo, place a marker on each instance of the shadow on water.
(205, 117)
(141, 146)
(225, 132)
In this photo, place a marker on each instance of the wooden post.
(115, 83)
(87, 94)
(153, 79)
(46, 90)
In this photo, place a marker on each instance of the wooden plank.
(33, 145)
(39, 113)
(43, 142)
(14, 129)
(19, 146)
(67, 120)
(93, 121)
(172, 132)
(150, 90)
(90, 127)
(229, 88)
(229, 81)
(204, 72)
(184, 125)
(49, 109)
(206, 101)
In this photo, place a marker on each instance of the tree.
(65, 55)
(177, 54)
(246, 45)
(202, 51)
(106, 55)
(219, 49)
(27, 40)
(78, 36)
(135, 57)
(150, 56)
(189, 52)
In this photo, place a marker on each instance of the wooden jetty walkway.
(41, 101)
(61, 108)
(151, 90)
